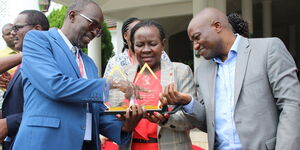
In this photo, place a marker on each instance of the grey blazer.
(266, 96)
(174, 135)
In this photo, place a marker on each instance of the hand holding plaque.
(124, 86)
(143, 91)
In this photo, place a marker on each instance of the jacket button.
(83, 127)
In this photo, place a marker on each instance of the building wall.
(9, 9)
(180, 48)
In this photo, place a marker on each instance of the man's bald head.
(7, 27)
(211, 33)
(6, 35)
(209, 16)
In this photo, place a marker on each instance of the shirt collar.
(233, 49)
(67, 41)
(11, 51)
(236, 43)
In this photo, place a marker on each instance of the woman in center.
(163, 132)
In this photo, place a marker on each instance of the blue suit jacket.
(12, 106)
(55, 97)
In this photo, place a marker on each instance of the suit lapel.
(241, 66)
(12, 82)
(211, 76)
(64, 47)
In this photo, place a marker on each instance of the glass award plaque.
(116, 101)
(147, 85)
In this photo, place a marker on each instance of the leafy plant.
(106, 46)
(56, 17)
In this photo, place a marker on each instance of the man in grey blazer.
(248, 90)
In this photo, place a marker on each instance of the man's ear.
(38, 27)
(71, 16)
(218, 26)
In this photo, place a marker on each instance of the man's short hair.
(78, 5)
(35, 17)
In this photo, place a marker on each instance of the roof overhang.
(144, 9)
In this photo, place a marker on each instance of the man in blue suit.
(63, 96)
(13, 98)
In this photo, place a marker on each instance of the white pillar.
(120, 43)
(267, 18)
(221, 5)
(94, 51)
(198, 5)
(247, 13)
(210, 3)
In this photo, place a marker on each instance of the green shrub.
(56, 17)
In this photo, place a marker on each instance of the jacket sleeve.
(13, 123)
(39, 68)
(282, 74)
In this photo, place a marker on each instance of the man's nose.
(196, 45)
(12, 33)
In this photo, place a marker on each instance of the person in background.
(63, 96)
(127, 56)
(164, 132)
(13, 99)
(10, 46)
(5, 77)
(239, 25)
(248, 88)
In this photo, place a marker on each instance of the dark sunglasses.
(16, 28)
(93, 25)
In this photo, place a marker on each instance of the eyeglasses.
(16, 28)
(93, 25)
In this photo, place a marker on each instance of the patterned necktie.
(79, 61)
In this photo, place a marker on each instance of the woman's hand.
(158, 118)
